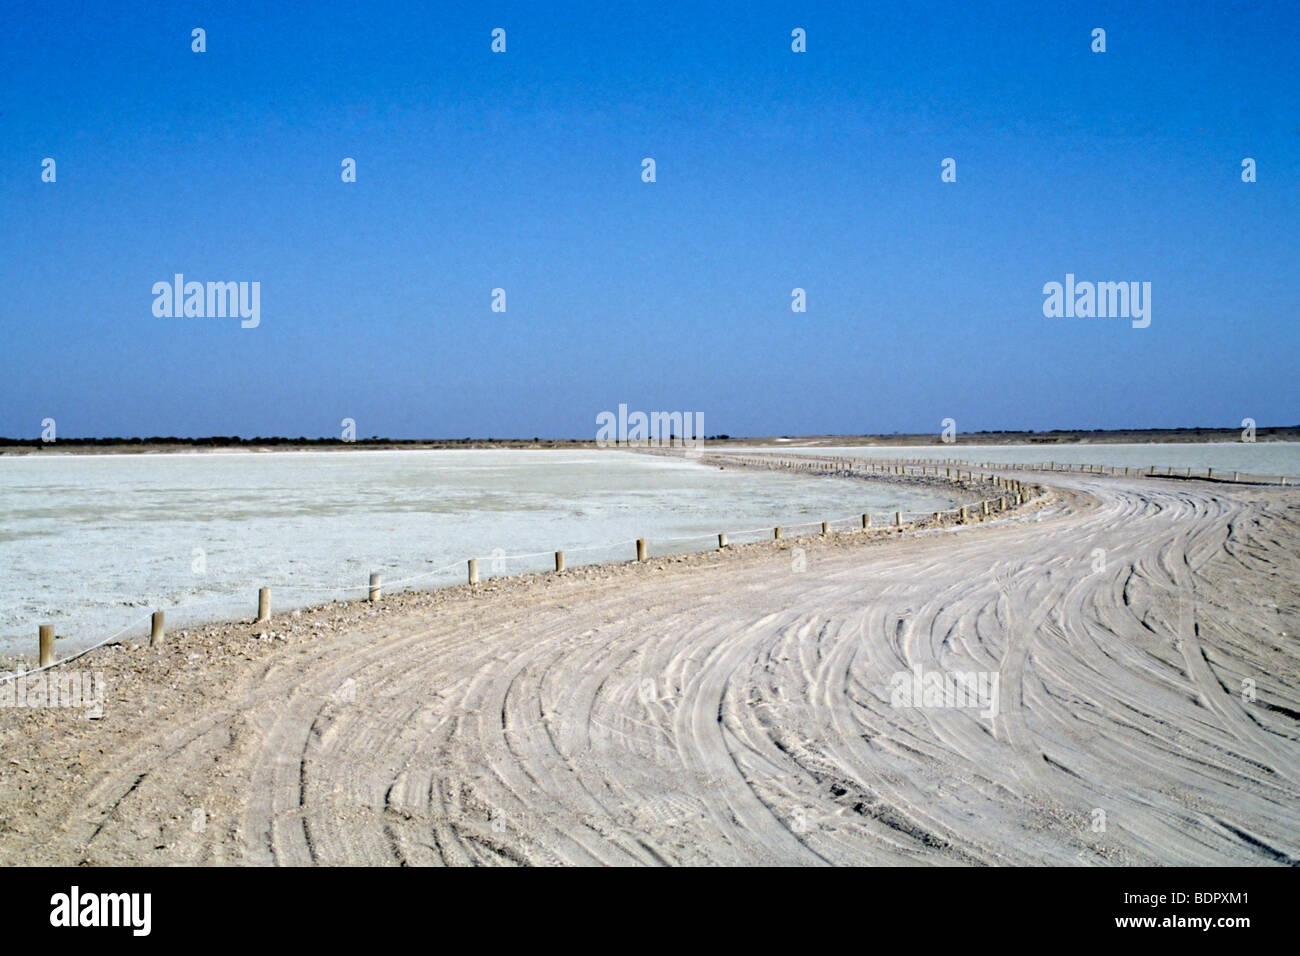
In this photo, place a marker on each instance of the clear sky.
(522, 170)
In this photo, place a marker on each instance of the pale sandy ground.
(727, 709)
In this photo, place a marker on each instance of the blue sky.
(522, 171)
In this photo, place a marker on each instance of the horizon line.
(1059, 433)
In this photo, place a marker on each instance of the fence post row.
(157, 634)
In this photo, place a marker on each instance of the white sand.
(728, 709)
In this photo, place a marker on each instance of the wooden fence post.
(46, 632)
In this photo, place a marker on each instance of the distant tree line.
(237, 441)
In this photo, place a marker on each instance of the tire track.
(742, 713)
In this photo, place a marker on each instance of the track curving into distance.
(741, 714)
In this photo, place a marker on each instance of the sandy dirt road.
(731, 709)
